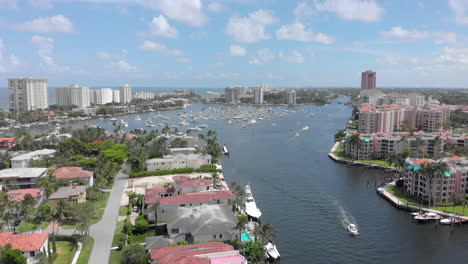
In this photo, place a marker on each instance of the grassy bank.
(65, 252)
(86, 252)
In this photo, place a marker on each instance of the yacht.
(427, 217)
(449, 221)
(271, 252)
(225, 150)
(138, 118)
(203, 126)
(250, 205)
(353, 230)
(183, 123)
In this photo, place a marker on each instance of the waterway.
(308, 197)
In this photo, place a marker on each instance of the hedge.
(174, 171)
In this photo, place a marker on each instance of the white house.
(30, 244)
(22, 177)
(22, 161)
(178, 161)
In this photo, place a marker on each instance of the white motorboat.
(203, 126)
(417, 213)
(305, 128)
(449, 221)
(138, 118)
(225, 150)
(252, 122)
(271, 252)
(250, 205)
(427, 217)
(353, 230)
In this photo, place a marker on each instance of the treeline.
(206, 169)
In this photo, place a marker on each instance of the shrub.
(161, 172)
(141, 226)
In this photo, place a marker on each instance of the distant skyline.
(207, 43)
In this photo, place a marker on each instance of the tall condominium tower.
(27, 94)
(106, 95)
(125, 94)
(258, 94)
(368, 80)
(74, 95)
(116, 96)
(292, 97)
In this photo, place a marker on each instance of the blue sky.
(214, 43)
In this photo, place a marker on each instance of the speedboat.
(353, 230)
(250, 205)
(305, 128)
(449, 221)
(138, 118)
(427, 217)
(271, 252)
(225, 150)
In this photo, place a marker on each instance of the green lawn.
(376, 162)
(100, 207)
(86, 252)
(137, 239)
(141, 238)
(123, 210)
(402, 196)
(26, 226)
(65, 252)
(115, 257)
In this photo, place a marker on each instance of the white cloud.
(236, 50)
(183, 60)
(251, 28)
(460, 8)
(298, 31)
(54, 24)
(43, 4)
(303, 9)
(14, 60)
(294, 57)
(454, 56)
(46, 47)
(399, 33)
(118, 62)
(158, 47)
(263, 56)
(216, 7)
(13, 4)
(361, 10)
(159, 27)
(186, 11)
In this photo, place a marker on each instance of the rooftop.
(195, 182)
(22, 173)
(72, 173)
(18, 195)
(188, 253)
(181, 157)
(195, 197)
(67, 192)
(31, 155)
(23, 242)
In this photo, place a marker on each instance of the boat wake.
(346, 219)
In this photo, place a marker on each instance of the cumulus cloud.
(236, 50)
(360, 10)
(189, 12)
(43, 4)
(401, 34)
(298, 31)
(160, 27)
(294, 57)
(216, 7)
(251, 28)
(263, 56)
(460, 8)
(454, 56)
(54, 24)
(45, 49)
(303, 9)
(118, 62)
(161, 48)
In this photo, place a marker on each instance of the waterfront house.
(23, 178)
(201, 253)
(200, 223)
(439, 189)
(72, 193)
(30, 244)
(75, 174)
(178, 161)
(7, 142)
(22, 161)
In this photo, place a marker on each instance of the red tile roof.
(186, 254)
(18, 195)
(23, 242)
(456, 158)
(72, 173)
(421, 132)
(180, 178)
(158, 191)
(421, 161)
(196, 182)
(195, 197)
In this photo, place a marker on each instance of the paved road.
(103, 231)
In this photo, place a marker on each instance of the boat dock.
(382, 191)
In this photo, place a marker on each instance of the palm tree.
(154, 208)
(267, 233)
(419, 143)
(242, 220)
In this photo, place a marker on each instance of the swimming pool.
(245, 237)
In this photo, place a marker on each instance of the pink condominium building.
(368, 81)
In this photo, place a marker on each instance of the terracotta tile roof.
(195, 197)
(180, 178)
(421, 132)
(456, 158)
(421, 161)
(158, 191)
(196, 182)
(72, 173)
(186, 254)
(18, 195)
(23, 242)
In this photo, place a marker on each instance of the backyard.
(65, 252)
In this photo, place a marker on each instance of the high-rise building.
(106, 95)
(369, 80)
(231, 94)
(143, 95)
(258, 95)
(116, 96)
(73, 95)
(292, 97)
(95, 97)
(125, 94)
(27, 94)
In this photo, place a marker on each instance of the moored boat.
(271, 252)
(250, 205)
(427, 217)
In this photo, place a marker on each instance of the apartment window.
(182, 205)
(214, 236)
(175, 231)
(220, 235)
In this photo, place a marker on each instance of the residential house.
(30, 244)
(23, 178)
(7, 142)
(75, 174)
(22, 161)
(72, 193)
(178, 161)
(18, 195)
(201, 253)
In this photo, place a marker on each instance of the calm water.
(306, 196)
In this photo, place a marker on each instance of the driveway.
(103, 231)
